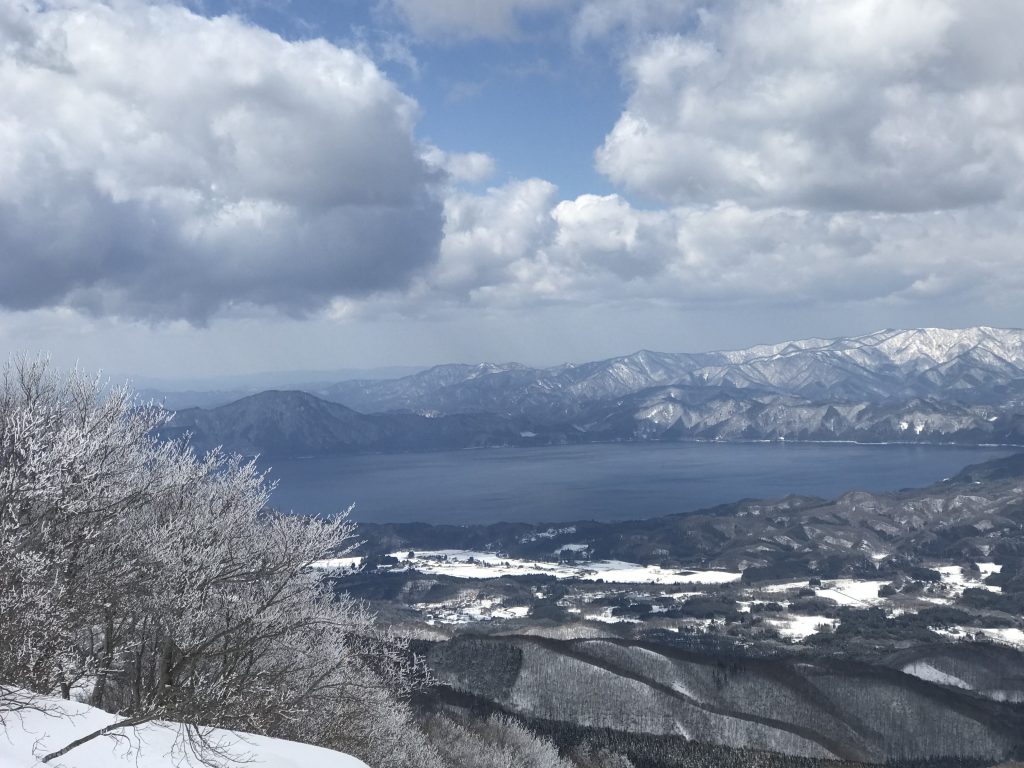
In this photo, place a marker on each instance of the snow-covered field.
(782, 587)
(630, 579)
(797, 627)
(468, 564)
(29, 735)
(852, 592)
(339, 563)
(464, 610)
(605, 615)
(954, 577)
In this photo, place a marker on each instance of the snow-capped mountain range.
(969, 365)
(925, 385)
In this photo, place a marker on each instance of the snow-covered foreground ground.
(29, 735)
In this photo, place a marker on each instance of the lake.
(601, 482)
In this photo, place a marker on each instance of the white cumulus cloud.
(518, 245)
(887, 105)
(491, 241)
(466, 167)
(158, 164)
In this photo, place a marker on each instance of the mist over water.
(600, 482)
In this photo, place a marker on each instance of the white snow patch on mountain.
(926, 671)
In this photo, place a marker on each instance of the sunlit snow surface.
(852, 592)
(1002, 635)
(467, 564)
(467, 609)
(954, 577)
(797, 627)
(340, 563)
(29, 735)
(926, 671)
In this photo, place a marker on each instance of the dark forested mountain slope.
(813, 708)
(298, 424)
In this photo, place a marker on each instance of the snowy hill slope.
(28, 735)
(800, 706)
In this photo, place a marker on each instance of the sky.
(213, 187)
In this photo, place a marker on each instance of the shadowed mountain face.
(924, 386)
(811, 708)
(299, 424)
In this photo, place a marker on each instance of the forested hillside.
(798, 707)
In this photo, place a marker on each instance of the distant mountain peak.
(916, 385)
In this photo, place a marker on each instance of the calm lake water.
(600, 482)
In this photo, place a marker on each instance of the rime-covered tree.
(157, 582)
(497, 742)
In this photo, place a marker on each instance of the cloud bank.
(882, 105)
(518, 246)
(158, 164)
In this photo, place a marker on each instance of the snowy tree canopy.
(157, 584)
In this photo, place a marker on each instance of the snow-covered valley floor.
(599, 585)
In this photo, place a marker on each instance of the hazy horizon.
(279, 377)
